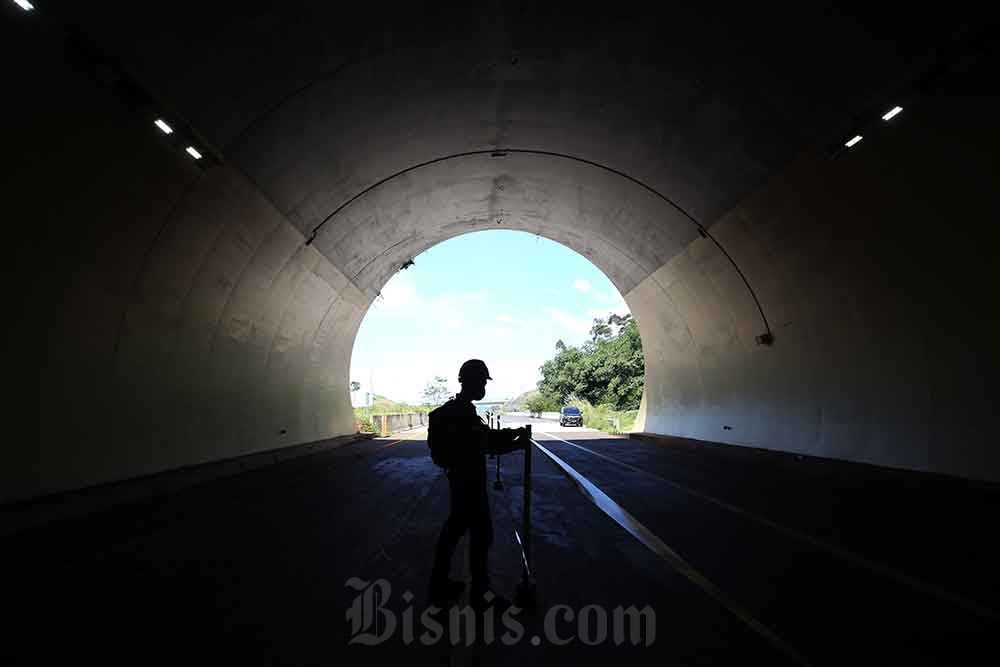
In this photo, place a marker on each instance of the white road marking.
(661, 549)
(849, 556)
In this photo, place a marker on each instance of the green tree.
(561, 375)
(600, 330)
(541, 402)
(619, 320)
(436, 391)
(607, 370)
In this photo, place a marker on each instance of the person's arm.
(506, 440)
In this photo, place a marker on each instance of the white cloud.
(582, 285)
(504, 318)
(452, 324)
(398, 293)
(614, 302)
(401, 382)
(568, 322)
(405, 381)
(458, 299)
(513, 377)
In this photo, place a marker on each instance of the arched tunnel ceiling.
(315, 101)
(627, 231)
(184, 314)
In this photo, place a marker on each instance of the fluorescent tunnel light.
(853, 141)
(24, 4)
(892, 113)
(193, 152)
(163, 126)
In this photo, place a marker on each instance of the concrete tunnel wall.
(175, 316)
(876, 273)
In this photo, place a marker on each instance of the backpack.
(440, 440)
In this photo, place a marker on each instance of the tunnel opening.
(551, 325)
(698, 297)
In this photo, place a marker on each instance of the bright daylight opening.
(551, 327)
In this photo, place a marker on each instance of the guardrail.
(393, 423)
(536, 415)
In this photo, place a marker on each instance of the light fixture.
(852, 142)
(24, 4)
(193, 152)
(166, 129)
(892, 113)
(766, 338)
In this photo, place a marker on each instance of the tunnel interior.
(812, 272)
(184, 310)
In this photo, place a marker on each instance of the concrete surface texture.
(175, 315)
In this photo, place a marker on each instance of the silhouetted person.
(459, 442)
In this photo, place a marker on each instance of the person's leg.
(480, 538)
(451, 532)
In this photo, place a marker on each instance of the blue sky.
(502, 296)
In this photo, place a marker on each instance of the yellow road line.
(849, 556)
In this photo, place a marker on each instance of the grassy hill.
(517, 403)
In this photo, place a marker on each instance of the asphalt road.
(755, 558)
(550, 425)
